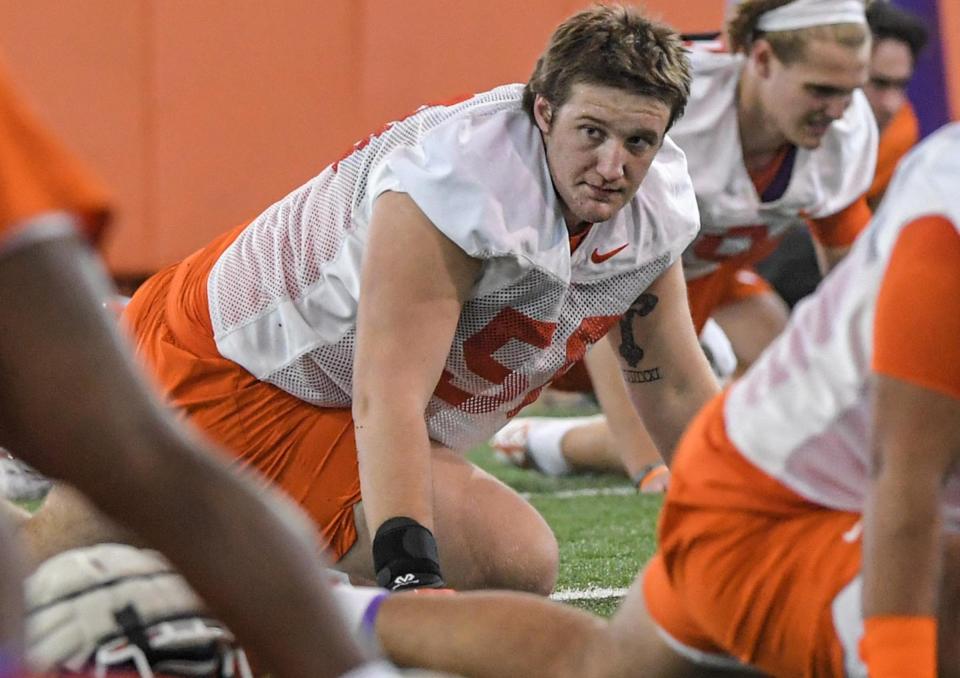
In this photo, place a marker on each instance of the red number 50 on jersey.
(509, 324)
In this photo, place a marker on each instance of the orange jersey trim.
(575, 240)
(900, 135)
(917, 323)
(842, 228)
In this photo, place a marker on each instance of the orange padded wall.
(200, 113)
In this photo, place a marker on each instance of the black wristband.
(405, 556)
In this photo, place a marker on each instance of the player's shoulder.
(709, 120)
(456, 118)
(486, 134)
(714, 69)
(937, 158)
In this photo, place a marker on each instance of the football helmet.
(115, 608)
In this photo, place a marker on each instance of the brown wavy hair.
(614, 46)
(788, 46)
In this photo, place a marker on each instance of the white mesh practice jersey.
(802, 412)
(733, 217)
(283, 296)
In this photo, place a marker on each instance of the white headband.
(806, 13)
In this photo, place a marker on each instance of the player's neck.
(760, 138)
(577, 228)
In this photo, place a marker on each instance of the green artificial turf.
(604, 540)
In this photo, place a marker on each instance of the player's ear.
(542, 113)
(761, 53)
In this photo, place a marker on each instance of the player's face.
(599, 146)
(891, 66)
(805, 97)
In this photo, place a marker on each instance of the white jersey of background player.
(824, 180)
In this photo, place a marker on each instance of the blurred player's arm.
(903, 533)
(834, 235)
(73, 404)
(413, 286)
(916, 443)
(667, 375)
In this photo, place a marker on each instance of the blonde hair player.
(777, 135)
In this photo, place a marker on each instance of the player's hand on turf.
(652, 479)
(405, 556)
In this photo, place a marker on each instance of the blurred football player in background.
(397, 309)
(777, 134)
(898, 39)
(812, 527)
(73, 405)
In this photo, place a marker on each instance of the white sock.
(544, 440)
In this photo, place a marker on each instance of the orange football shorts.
(747, 569)
(307, 451)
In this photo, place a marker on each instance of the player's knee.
(545, 565)
(531, 564)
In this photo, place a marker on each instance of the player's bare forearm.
(638, 451)
(903, 524)
(409, 308)
(901, 545)
(395, 467)
(667, 375)
(413, 285)
(132, 457)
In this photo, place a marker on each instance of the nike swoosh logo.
(598, 258)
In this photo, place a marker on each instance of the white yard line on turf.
(588, 594)
(585, 492)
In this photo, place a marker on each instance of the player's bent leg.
(751, 323)
(489, 536)
(499, 633)
(675, 646)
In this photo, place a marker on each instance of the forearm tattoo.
(630, 351)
